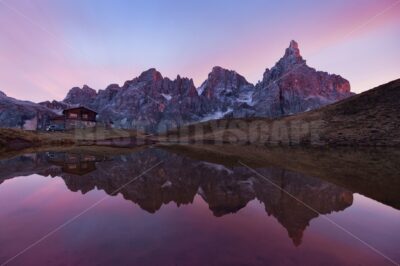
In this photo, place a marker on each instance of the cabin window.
(72, 115)
(85, 116)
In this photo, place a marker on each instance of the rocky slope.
(226, 92)
(155, 103)
(368, 119)
(23, 114)
(150, 102)
(292, 87)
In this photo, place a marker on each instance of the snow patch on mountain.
(167, 97)
(201, 89)
(246, 97)
(216, 115)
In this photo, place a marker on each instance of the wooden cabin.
(73, 163)
(78, 117)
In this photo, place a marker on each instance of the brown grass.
(16, 139)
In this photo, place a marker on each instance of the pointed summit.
(292, 53)
(291, 86)
(294, 48)
(293, 45)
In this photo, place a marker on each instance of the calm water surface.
(186, 211)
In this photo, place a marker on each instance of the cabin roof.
(77, 108)
(59, 117)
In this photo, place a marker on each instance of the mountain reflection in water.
(179, 179)
(227, 214)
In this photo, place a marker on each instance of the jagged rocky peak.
(113, 87)
(291, 86)
(82, 95)
(2, 94)
(221, 74)
(293, 49)
(87, 90)
(292, 56)
(150, 75)
(222, 82)
(185, 86)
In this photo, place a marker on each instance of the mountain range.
(154, 103)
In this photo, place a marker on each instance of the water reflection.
(73, 163)
(226, 189)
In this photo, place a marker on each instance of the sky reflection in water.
(185, 212)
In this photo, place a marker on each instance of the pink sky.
(47, 47)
